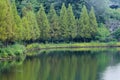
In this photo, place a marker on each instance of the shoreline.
(72, 45)
(38, 46)
(32, 48)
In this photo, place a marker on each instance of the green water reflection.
(63, 65)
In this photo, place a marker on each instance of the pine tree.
(78, 28)
(35, 33)
(6, 21)
(71, 23)
(93, 23)
(43, 24)
(18, 29)
(64, 23)
(84, 28)
(54, 24)
(32, 23)
(26, 29)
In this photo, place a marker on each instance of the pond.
(65, 65)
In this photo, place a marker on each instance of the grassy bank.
(72, 45)
(16, 50)
(32, 48)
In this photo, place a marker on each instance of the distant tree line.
(49, 27)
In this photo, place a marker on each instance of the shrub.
(12, 50)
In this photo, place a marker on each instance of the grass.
(72, 45)
(32, 48)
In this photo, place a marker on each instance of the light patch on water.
(111, 73)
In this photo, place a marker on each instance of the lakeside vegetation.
(12, 51)
(59, 39)
(15, 51)
(36, 48)
(73, 45)
(63, 27)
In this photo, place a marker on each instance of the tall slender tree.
(84, 28)
(43, 24)
(26, 29)
(7, 23)
(18, 30)
(93, 23)
(64, 23)
(71, 23)
(32, 23)
(54, 24)
(78, 29)
(35, 32)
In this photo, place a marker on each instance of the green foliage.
(18, 22)
(7, 65)
(35, 4)
(7, 23)
(93, 23)
(31, 22)
(64, 23)
(35, 32)
(18, 49)
(54, 24)
(45, 27)
(33, 49)
(84, 28)
(103, 32)
(43, 24)
(32, 46)
(116, 34)
(76, 4)
(114, 14)
(12, 50)
(71, 23)
(26, 29)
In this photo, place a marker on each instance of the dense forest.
(58, 21)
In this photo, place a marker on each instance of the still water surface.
(65, 65)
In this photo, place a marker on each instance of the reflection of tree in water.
(70, 67)
(88, 68)
(5, 66)
(64, 65)
(80, 65)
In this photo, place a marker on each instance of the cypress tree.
(78, 29)
(84, 28)
(18, 30)
(54, 24)
(32, 23)
(71, 23)
(35, 33)
(26, 29)
(93, 23)
(64, 23)
(6, 21)
(43, 24)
